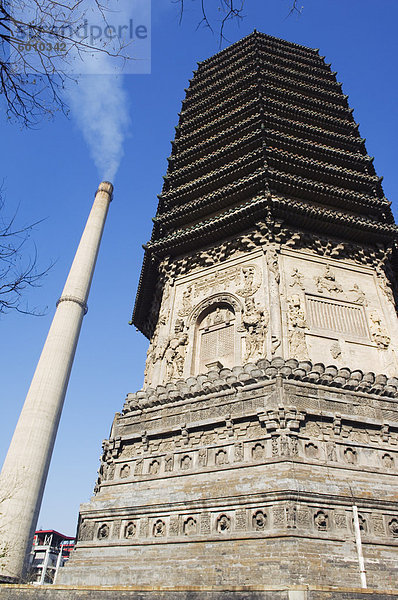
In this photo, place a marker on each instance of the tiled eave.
(230, 224)
(238, 219)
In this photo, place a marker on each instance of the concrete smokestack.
(25, 468)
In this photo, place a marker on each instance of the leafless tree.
(16, 272)
(39, 39)
(228, 10)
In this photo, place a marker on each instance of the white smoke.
(99, 105)
(96, 95)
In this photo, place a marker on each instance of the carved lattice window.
(341, 317)
(216, 337)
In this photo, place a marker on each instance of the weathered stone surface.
(251, 593)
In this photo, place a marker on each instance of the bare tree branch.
(39, 39)
(227, 10)
(16, 272)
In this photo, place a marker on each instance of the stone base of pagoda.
(27, 592)
(253, 478)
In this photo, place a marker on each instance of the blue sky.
(49, 174)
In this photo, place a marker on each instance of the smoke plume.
(99, 105)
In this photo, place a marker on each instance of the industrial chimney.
(25, 468)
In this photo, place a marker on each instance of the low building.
(50, 551)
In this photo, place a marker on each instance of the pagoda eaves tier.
(265, 133)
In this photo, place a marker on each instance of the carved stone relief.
(86, 530)
(297, 278)
(238, 457)
(221, 457)
(385, 286)
(363, 525)
(297, 326)
(205, 523)
(393, 527)
(255, 321)
(174, 352)
(202, 457)
(169, 463)
(259, 520)
(103, 532)
(359, 295)
(186, 462)
(378, 525)
(274, 298)
(174, 525)
(327, 282)
(388, 461)
(154, 467)
(223, 524)
(311, 450)
(190, 526)
(154, 353)
(159, 528)
(335, 351)
(378, 331)
(186, 301)
(321, 520)
(125, 471)
(138, 467)
(340, 520)
(258, 452)
(278, 516)
(291, 515)
(250, 281)
(217, 281)
(350, 456)
(130, 530)
(303, 517)
(144, 527)
(331, 452)
(240, 519)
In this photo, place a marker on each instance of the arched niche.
(215, 324)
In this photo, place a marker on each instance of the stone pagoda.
(263, 448)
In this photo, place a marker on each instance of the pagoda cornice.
(323, 79)
(307, 90)
(322, 108)
(237, 219)
(320, 74)
(325, 171)
(185, 157)
(216, 98)
(311, 148)
(217, 125)
(213, 82)
(245, 189)
(323, 193)
(200, 185)
(228, 109)
(228, 135)
(252, 39)
(338, 141)
(317, 133)
(326, 122)
(214, 159)
(307, 188)
(292, 53)
(319, 217)
(312, 85)
(232, 93)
